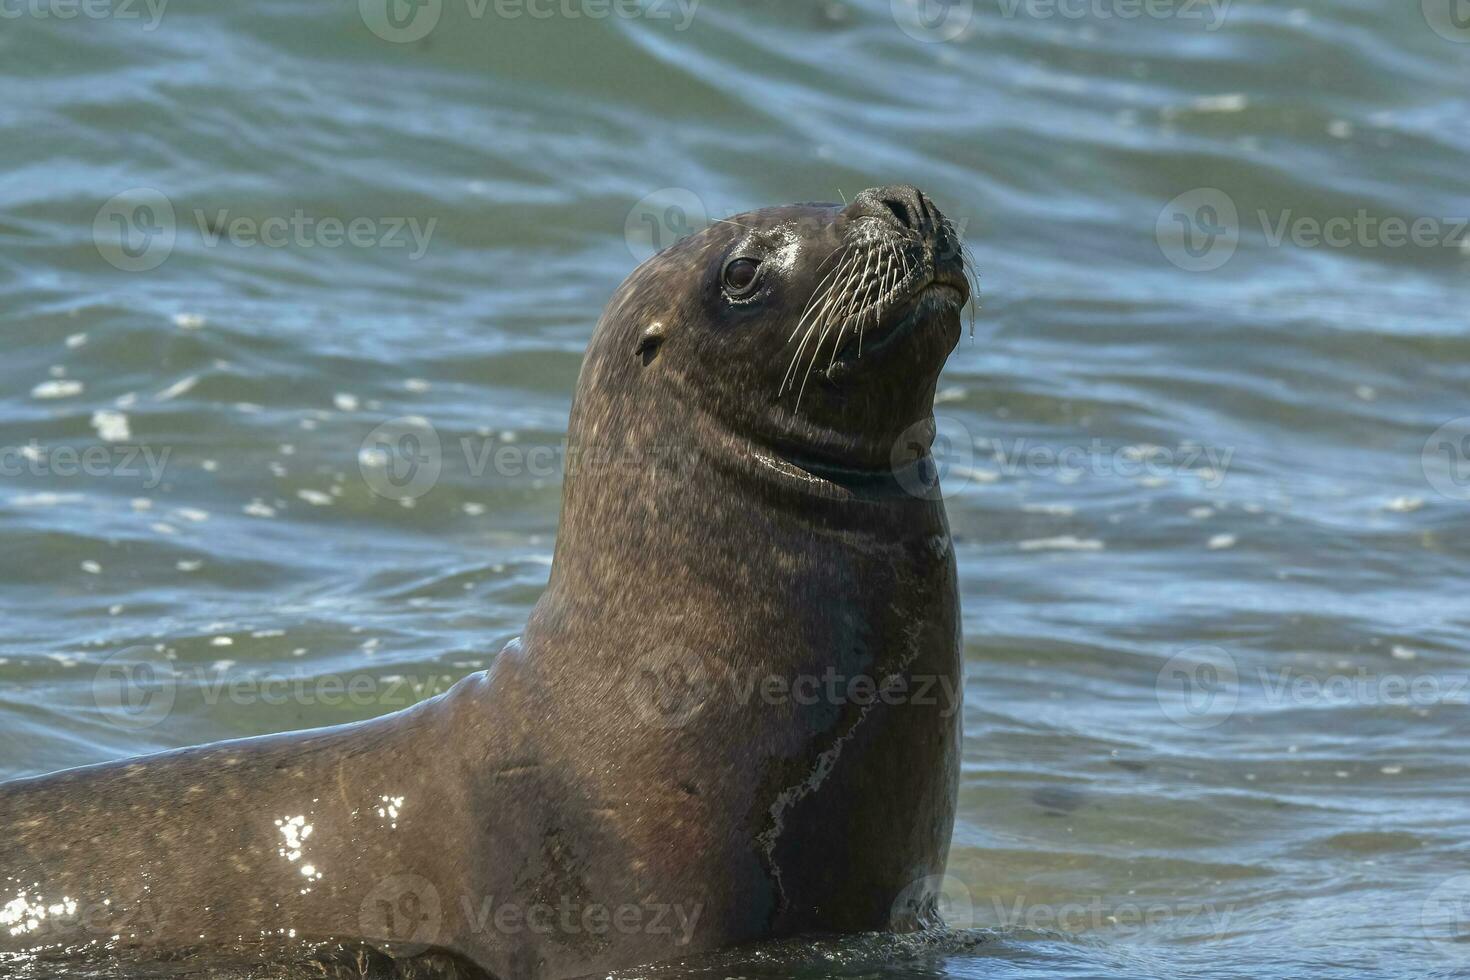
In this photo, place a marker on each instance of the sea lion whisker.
(842, 296)
(874, 285)
(851, 309)
(889, 270)
(972, 273)
(829, 282)
(847, 296)
(885, 284)
(882, 280)
(822, 264)
(834, 294)
(817, 307)
(840, 288)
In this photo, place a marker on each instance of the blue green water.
(1208, 452)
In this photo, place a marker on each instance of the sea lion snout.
(905, 209)
(902, 205)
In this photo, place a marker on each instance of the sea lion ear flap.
(649, 340)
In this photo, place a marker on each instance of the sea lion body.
(732, 715)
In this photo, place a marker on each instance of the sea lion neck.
(671, 516)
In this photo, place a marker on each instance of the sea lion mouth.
(938, 295)
(878, 291)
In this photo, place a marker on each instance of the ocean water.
(1207, 454)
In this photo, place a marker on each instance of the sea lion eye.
(740, 276)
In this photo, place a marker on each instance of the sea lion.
(732, 715)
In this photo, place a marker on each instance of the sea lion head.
(815, 331)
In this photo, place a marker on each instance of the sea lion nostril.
(901, 205)
(900, 211)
